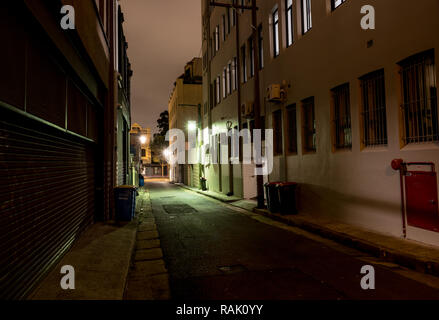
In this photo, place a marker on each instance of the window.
(276, 48)
(289, 21)
(235, 74)
(224, 27)
(229, 20)
(277, 132)
(251, 52)
(218, 90)
(306, 16)
(373, 109)
(261, 47)
(309, 135)
(143, 153)
(217, 39)
(229, 78)
(419, 109)
(224, 82)
(341, 117)
(291, 133)
(244, 64)
(336, 3)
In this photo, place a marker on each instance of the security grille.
(419, 108)
(374, 109)
(309, 125)
(342, 117)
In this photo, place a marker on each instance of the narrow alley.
(213, 251)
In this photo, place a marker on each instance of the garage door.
(47, 198)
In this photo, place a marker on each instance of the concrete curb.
(148, 278)
(405, 259)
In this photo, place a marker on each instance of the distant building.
(184, 113)
(140, 150)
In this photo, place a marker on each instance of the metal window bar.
(342, 117)
(309, 126)
(419, 108)
(374, 109)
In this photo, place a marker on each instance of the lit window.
(336, 3)
(276, 48)
(306, 16)
(289, 22)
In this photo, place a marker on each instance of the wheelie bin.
(287, 197)
(125, 202)
(272, 195)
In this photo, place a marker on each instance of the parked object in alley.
(125, 202)
(141, 180)
(287, 197)
(281, 197)
(203, 183)
(272, 195)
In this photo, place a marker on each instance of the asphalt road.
(213, 251)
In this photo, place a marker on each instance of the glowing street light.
(142, 139)
(166, 153)
(192, 126)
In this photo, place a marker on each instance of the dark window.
(143, 153)
(261, 47)
(419, 109)
(277, 132)
(373, 113)
(306, 16)
(291, 129)
(251, 52)
(289, 22)
(309, 133)
(244, 64)
(224, 27)
(276, 48)
(341, 117)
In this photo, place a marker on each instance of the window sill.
(421, 146)
(371, 149)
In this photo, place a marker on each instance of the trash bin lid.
(273, 183)
(286, 184)
(125, 187)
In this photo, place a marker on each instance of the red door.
(422, 200)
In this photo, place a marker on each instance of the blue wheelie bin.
(125, 202)
(141, 180)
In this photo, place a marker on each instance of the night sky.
(162, 35)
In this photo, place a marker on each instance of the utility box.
(422, 198)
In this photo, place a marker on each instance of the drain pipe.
(398, 165)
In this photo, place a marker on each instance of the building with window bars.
(352, 101)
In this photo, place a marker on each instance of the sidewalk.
(101, 259)
(113, 262)
(411, 254)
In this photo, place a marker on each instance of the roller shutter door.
(47, 198)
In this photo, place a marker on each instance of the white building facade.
(342, 101)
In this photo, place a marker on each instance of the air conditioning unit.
(275, 93)
(247, 110)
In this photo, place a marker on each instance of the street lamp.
(142, 139)
(192, 126)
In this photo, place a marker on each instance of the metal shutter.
(47, 198)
